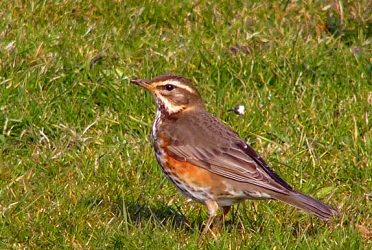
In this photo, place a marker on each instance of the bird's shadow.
(138, 212)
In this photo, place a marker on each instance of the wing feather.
(228, 165)
(226, 155)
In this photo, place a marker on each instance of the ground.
(77, 168)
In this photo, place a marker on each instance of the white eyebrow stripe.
(179, 85)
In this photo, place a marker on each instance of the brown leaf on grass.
(365, 231)
(240, 49)
(320, 29)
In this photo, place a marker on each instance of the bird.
(206, 160)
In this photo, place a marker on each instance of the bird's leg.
(226, 210)
(212, 211)
(221, 220)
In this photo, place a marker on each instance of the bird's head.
(173, 93)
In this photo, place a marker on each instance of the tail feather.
(308, 204)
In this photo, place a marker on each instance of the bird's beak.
(142, 83)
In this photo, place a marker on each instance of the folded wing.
(226, 155)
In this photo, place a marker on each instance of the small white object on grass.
(238, 109)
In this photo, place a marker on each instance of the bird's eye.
(169, 87)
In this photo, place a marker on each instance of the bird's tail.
(308, 204)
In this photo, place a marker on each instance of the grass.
(76, 163)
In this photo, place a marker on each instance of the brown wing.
(208, 143)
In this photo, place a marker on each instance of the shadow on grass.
(139, 213)
(142, 213)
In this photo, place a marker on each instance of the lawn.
(77, 168)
